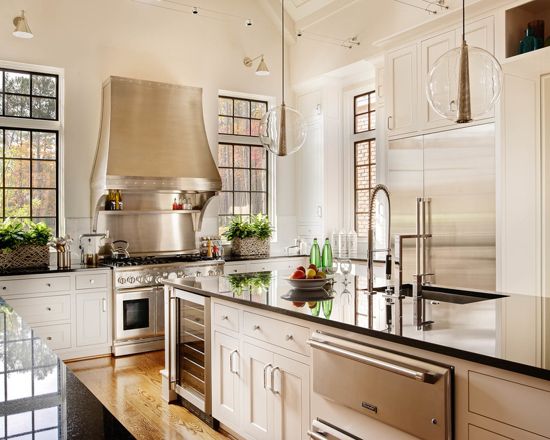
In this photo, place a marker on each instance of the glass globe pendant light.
(282, 129)
(465, 82)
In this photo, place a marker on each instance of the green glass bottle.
(327, 308)
(315, 254)
(326, 259)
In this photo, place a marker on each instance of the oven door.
(135, 313)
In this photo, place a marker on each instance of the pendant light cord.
(463, 21)
(283, 46)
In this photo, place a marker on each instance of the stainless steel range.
(139, 297)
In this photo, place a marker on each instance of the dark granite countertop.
(504, 332)
(235, 258)
(47, 270)
(40, 397)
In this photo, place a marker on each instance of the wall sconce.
(22, 29)
(262, 69)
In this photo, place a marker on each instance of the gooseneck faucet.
(370, 253)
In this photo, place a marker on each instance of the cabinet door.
(91, 318)
(257, 415)
(401, 90)
(291, 393)
(226, 384)
(431, 49)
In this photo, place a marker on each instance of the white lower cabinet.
(226, 380)
(91, 318)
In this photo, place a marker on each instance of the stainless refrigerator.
(455, 170)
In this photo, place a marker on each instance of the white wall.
(94, 39)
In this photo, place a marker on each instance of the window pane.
(45, 380)
(43, 356)
(46, 418)
(362, 177)
(362, 153)
(18, 203)
(226, 203)
(362, 123)
(242, 156)
(18, 355)
(242, 203)
(227, 179)
(18, 106)
(19, 386)
(50, 221)
(44, 174)
(16, 82)
(17, 173)
(225, 125)
(373, 151)
(19, 423)
(44, 203)
(372, 175)
(242, 108)
(362, 224)
(361, 104)
(255, 127)
(44, 145)
(372, 120)
(259, 180)
(258, 109)
(44, 85)
(18, 143)
(259, 156)
(224, 221)
(242, 180)
(242, 126)
(1, 83)
(225, 106)
(1, 103)
(259, 205)
(225, 155)
(44, 108)
(362, 201)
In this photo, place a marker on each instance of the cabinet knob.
(49, 284)
(49, 309)
(92, 281)
(225, 318)
(4, 287)
(49, 338)
(289, 337)
(256, 327)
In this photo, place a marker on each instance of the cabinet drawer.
(235, 268)
(290, 336)
(43, 310)
(226, 317)
(56, 337)
(512, 403)
(35, 285)
(477, 433)
(91, 281)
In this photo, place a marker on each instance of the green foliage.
(240, 282)
(258, 226)
(16, 232)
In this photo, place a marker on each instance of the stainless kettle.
(119, 250)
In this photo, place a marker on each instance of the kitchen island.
(494, 346)
(41, 398)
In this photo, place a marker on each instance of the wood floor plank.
(130, 388)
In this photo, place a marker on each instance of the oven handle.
(138, 289)
(421, 376)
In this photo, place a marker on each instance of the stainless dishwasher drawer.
(409, 394)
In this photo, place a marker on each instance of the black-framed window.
(364, 112)
(29, 174)
(240, 116)
(245, 188)
(29, 95)
(365, 180)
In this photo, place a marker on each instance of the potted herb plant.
(249, 237)
(24, 244)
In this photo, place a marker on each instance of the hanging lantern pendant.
(464, 97)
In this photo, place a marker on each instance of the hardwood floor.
(130, 388)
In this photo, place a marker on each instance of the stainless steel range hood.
(152, 139)
(153, 147)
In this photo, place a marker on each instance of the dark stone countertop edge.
(503, 364)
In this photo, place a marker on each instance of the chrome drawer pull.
(256, 327)
(225, 318)
(265, 375)
(316, 435)
(231, 369)
(49, 309)
(422, 376)
(273, 380)
(49, 338)
(289, 337)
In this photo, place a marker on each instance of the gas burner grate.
(154, 259)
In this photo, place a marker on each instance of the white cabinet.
(283, 265)
(276, 395)
(226, 387)
(91, 318)
(431, 49)
(401, 90)
(229, 268)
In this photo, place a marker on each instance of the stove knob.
(139, 279)
(198, 273)
(172, 276)
(211, 273)
(165, 275)
(121, 280)
(158, 278)
(131, 280)
(149, 278)
(180, 274)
